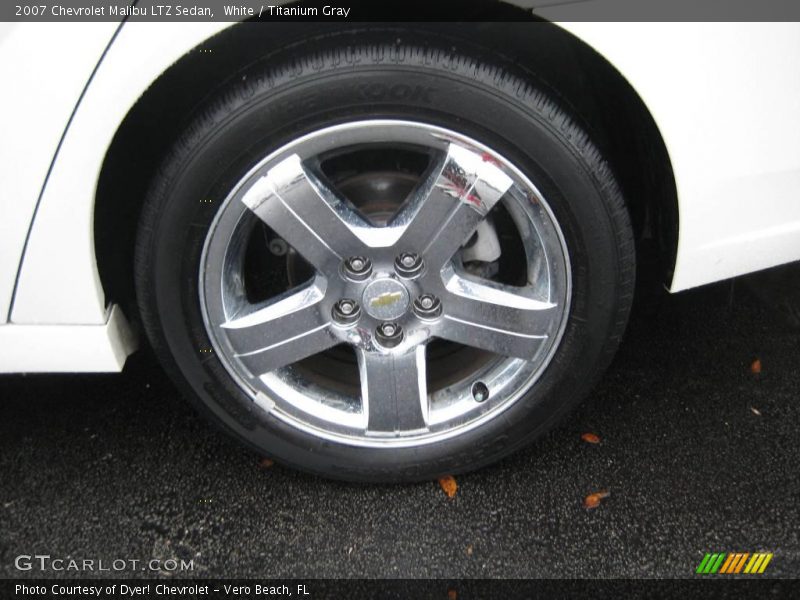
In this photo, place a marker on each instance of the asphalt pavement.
(697, 452)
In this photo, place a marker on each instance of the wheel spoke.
(495, 317)
(306, 213)
(393, 390)
(282, 332)
(447, 206)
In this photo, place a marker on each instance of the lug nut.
(357, 264)
(389, 334)
(346, 311)
(428, 306)
(358, 267)
(408, 264)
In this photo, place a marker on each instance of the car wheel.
(385, 262)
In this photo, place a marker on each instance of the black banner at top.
(394, 10)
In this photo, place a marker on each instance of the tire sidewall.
(270, 110)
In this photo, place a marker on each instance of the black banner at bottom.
(418, 589)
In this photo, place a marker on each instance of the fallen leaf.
(591, 438)
(266, 463)
(469, 550)
(449, 485)
(452, 594)
(755, 366)
(755, 411)
(593, 500)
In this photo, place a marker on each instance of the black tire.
(331, 81)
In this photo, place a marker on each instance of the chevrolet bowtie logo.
(386, 299)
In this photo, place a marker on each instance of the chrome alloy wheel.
(405, 284)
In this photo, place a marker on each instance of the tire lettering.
(399, 91)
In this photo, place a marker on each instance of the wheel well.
(618, 121)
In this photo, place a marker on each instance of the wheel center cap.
(385, 299)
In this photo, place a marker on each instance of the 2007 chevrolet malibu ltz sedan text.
(385, 252)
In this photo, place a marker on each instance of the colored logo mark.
(733, 563)
(387, 299)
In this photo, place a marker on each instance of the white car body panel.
(139, 54)
(41, 88)
(726, 98)
(67, 348)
